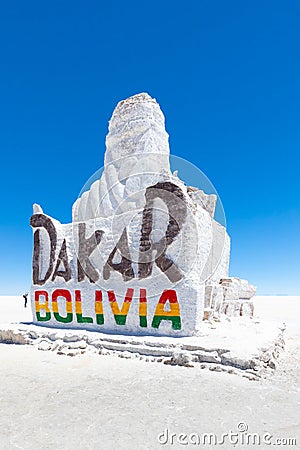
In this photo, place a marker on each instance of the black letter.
(174, 199)
(40, 220)
(85, 249)
(125, 266)
(62, 258)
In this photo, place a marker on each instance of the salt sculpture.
(143, 254)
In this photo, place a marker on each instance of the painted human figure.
(25, 299)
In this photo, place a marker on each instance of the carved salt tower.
(143, 254)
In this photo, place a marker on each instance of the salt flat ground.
(57, 402)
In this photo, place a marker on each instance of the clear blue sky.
(227, 76)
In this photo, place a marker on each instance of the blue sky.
(226, 75)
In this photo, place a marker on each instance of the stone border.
(187, 352)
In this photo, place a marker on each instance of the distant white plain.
(103, 402)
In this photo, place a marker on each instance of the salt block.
(144, 254)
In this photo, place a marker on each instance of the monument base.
(248, 347)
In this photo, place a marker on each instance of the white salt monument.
(144, 254)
